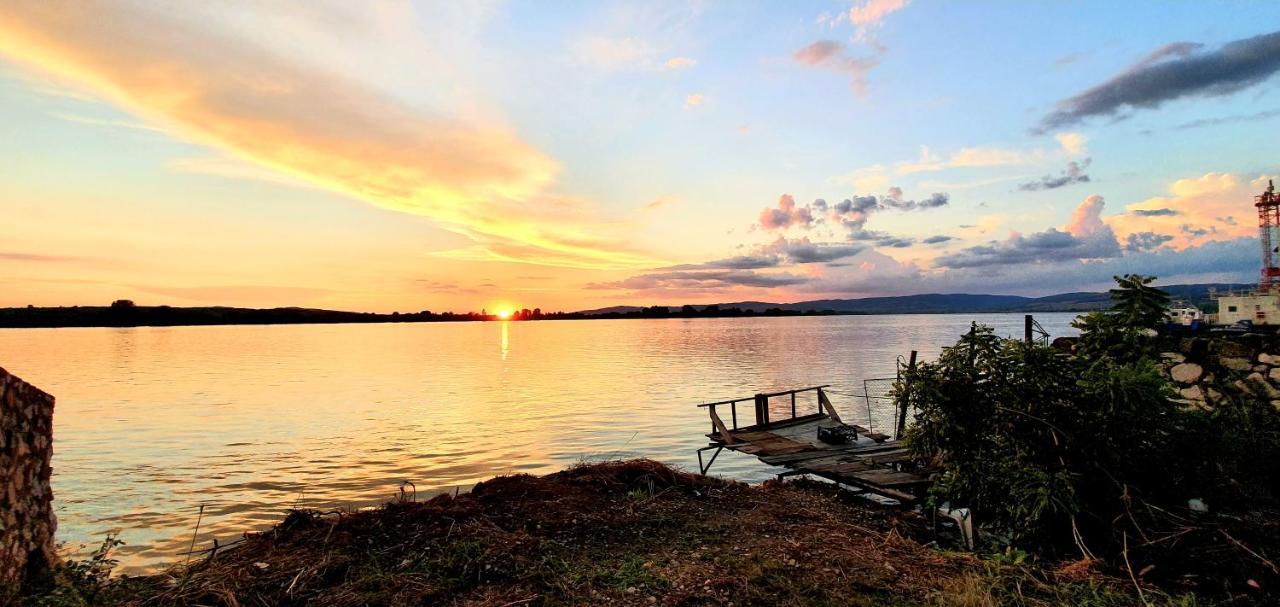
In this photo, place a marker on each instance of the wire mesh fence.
(869, 404)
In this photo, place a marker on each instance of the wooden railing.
(762, 411)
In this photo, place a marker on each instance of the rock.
(1260, 368)
(1195, 348)
(1173, 357)
(1065, 344)
(1242, 346)
(1213, 395)
(1269, 359)
(1242, 387)
(1274, 374)
(1186, 373)
(1192, 393)
(1262, 385)
(1236, 364)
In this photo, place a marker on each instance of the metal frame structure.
(1268, 205)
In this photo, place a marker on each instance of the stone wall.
(1208, 369)
(27, 522)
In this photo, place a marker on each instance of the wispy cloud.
(829, 54)
(1074, 173)
(680, 63)
(1221, 120)
(868, 13)
(980, 156)
(39, 257)
(1173, 71)
(211, 87)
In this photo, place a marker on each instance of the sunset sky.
(569, 155)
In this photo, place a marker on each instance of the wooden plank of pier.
(868, 464)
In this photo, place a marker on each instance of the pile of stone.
(1207, 369)
(27, 521)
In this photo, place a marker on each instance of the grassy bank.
(627, 533)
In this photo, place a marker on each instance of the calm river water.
(151, 423)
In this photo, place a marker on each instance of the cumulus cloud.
(694, 100)
(786, 215)
(829, 54)
(1173, 71)
(894, 200)
(1072, 143)
(1145, 241)
(1214, 206)
(851, 214)
(207, 82)
(1074, 173)
(880, 239)
(1085, 236)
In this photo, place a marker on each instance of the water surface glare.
(249, 421)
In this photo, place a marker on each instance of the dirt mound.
(629, 533)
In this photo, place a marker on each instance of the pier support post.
(27, 521)
(905, 405)
(762, 409)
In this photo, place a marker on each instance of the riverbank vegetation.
(1090, 455)
(626, 533)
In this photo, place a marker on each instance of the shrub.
(1088, 452)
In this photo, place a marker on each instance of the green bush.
(1084, 453)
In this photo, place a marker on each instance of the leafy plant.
(1046, 449)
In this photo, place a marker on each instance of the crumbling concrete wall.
(27, 522)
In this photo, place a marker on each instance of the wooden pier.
(873, 463)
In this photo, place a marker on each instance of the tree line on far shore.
(125, 313)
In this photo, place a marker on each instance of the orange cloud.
(219, 90)
(1214, 206)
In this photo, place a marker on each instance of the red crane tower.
(1268, 204)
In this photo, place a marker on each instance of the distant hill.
(957, 303)
(124, 313)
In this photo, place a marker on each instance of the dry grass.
(624, 533)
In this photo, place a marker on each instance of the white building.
(1259, 308)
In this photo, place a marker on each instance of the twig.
(520, 602)
(1264, 560)
(1127, 566)
(192, 548)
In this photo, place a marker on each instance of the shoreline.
(633, 532)
(385, 319)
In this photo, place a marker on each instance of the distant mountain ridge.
(959, 303)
